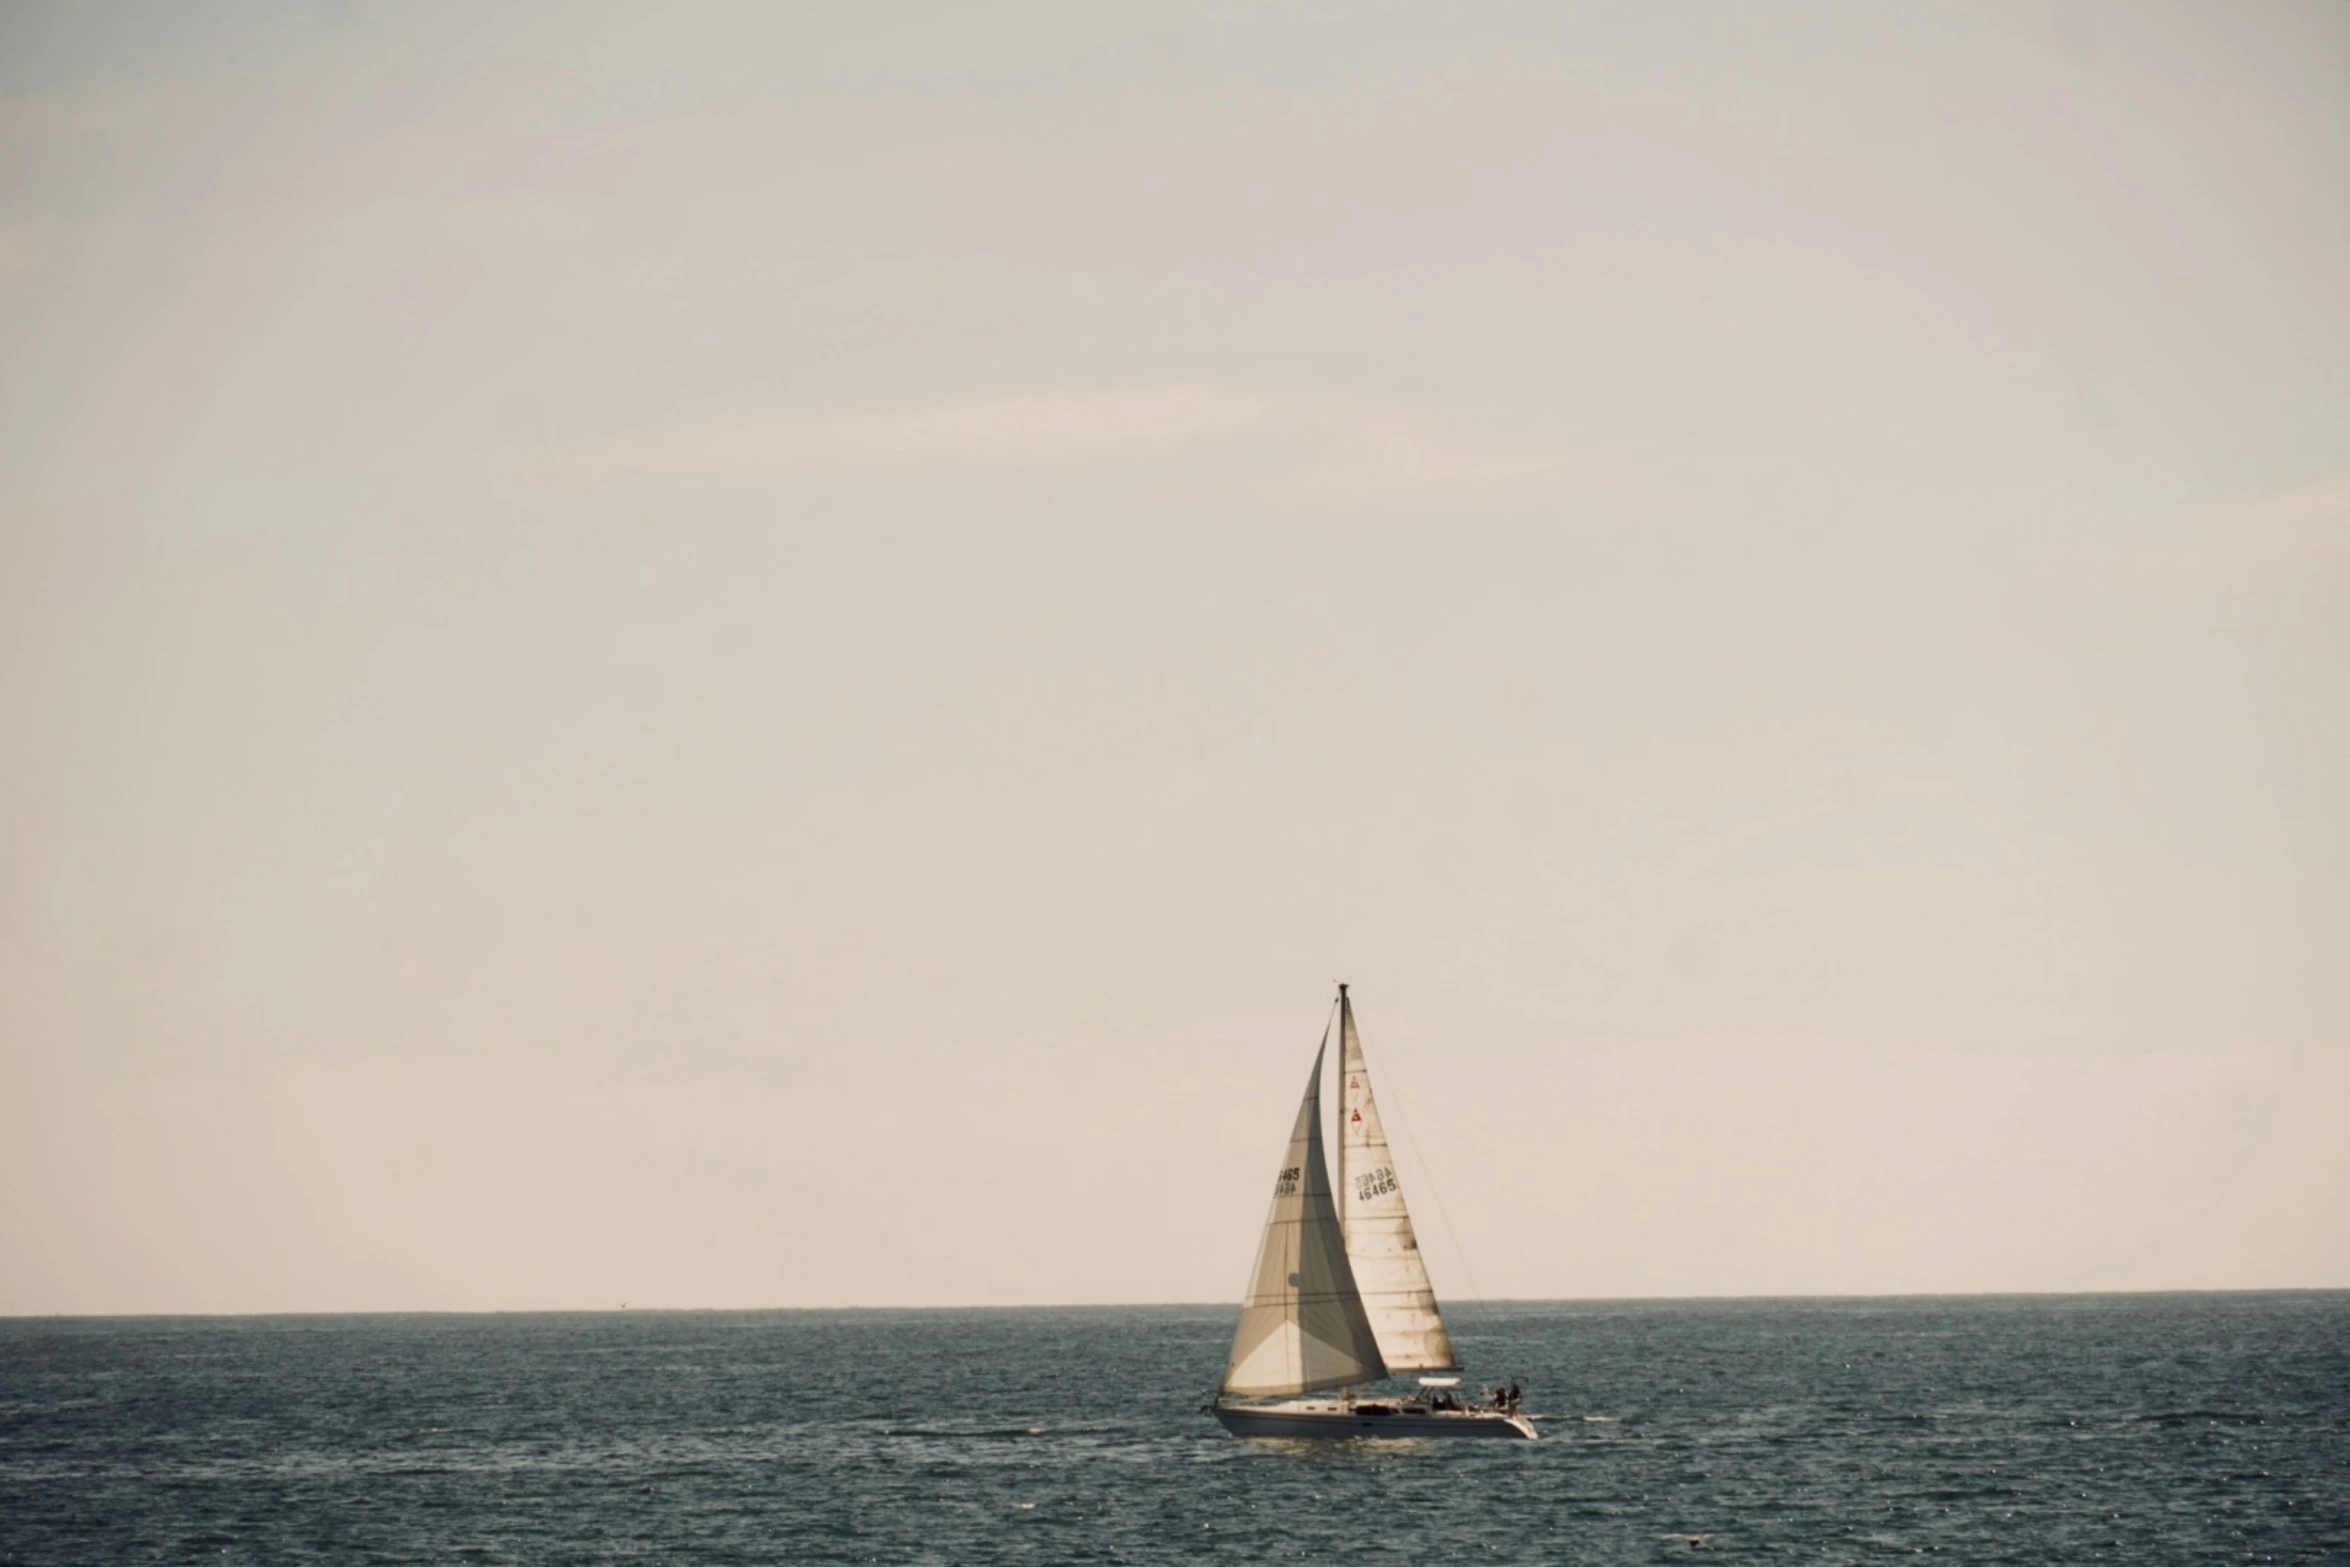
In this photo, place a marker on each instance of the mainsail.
(1380, 1246)
(1302, 1325)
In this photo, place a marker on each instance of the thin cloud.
(2286, 541)
(1316, 450)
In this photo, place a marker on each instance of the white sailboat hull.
(1332, 1418)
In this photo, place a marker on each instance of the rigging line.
(1476, 1290)
(1335, 1071)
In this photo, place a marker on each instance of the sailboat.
(1340, 1297)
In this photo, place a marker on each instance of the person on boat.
(1517, 1395)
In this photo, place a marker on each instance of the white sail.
(1380, 1246)
(1302, 1325)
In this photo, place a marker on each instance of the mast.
(1345, 1022)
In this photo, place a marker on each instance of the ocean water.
(2139, 1429)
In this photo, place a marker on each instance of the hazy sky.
(770, 655)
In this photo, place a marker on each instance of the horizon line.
(1149, 1305)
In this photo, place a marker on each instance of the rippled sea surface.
(2142, 1429)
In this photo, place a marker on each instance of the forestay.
(1302, 1325)
(1384, 1254)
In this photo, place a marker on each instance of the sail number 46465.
(1378, 1183)
(1287, 1184)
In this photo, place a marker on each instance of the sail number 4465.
(1376, 1183)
